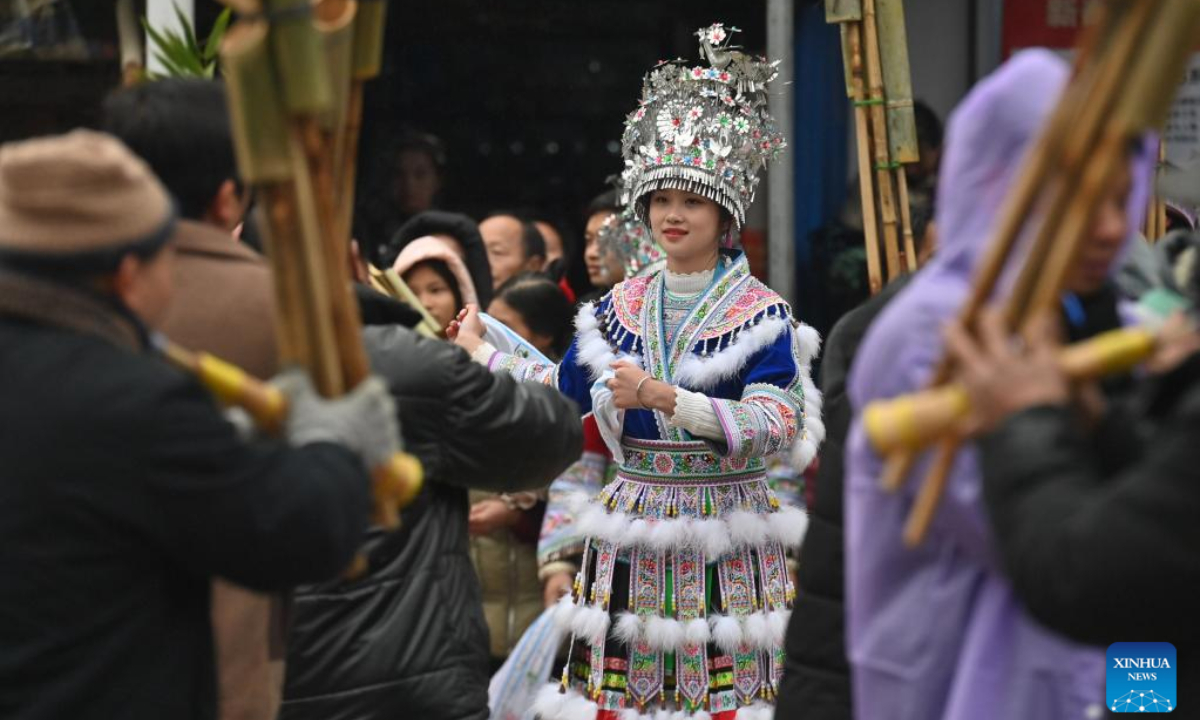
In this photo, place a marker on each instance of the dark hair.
(929, 127)
(608, 201)
(180, 127)
(443, 270)
(430, 145)
(542, 305)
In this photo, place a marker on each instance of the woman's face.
(687, 225)
(597, 270)
(416, 182)
(434, 293)
(1110, 227)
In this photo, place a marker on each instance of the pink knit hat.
(79, 199)
(430, 248)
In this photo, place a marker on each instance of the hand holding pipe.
(912, 422)
(400, 479)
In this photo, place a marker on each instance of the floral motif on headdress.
(627, 237)
(702, 129)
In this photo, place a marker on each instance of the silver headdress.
(702, 129)
(627, 237)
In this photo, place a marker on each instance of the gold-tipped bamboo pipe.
(1143, 103)
(1018, 206)
(399, 479)
(913, 422)
(232, 386)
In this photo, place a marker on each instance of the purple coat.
(935, 633)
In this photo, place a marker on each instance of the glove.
(364, 420)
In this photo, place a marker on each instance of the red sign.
(1042, 23)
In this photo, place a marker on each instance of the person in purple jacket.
(936, 632)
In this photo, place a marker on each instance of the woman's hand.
(488, 516)
(999, 375)
(654, 394)
(467, 330)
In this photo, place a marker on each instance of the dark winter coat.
(816, 682)
(1106, 550)
(123, 491)
(409, 640)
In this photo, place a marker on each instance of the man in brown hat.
(122, 488)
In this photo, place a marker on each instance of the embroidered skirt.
(683, 597)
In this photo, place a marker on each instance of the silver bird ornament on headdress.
(700, 129)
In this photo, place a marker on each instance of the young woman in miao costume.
(695, 374)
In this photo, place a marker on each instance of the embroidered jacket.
(739, 346)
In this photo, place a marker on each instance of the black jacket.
(1106, 552)
(122, 491)
(409, 640)
(816, 681)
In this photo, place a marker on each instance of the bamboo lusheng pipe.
(1019, 205)
(390, 283)
(268, 407)
(1144, 103)
(914, 421)
(853, 34)
(1085, 169)
(879, 135)
(369, 23)
(318, 321)
(231, 385)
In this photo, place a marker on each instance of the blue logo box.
(1141, 677)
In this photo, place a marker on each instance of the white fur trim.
(815, 427)
(803, 453)
(726, 632)
(664, 633)
(629, 628)
(747, 528)
(757, 711)
(788, 526)
(808, 343)
(548, 705)
(630, 714)
(668, 534)
(711, 536)
(755, 630)
(594, 351)
(577, 502)
(564, 613)
(777, 620)
(705, 372)
(696, 631)
(591, 623)
(578, 707)
(701, 715)
(638, 533)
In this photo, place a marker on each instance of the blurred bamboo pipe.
(913, 422)
(1128, 101)
(1018, 206)
(234, 387)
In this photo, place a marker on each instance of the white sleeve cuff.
(694, 413)
(483, 354)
